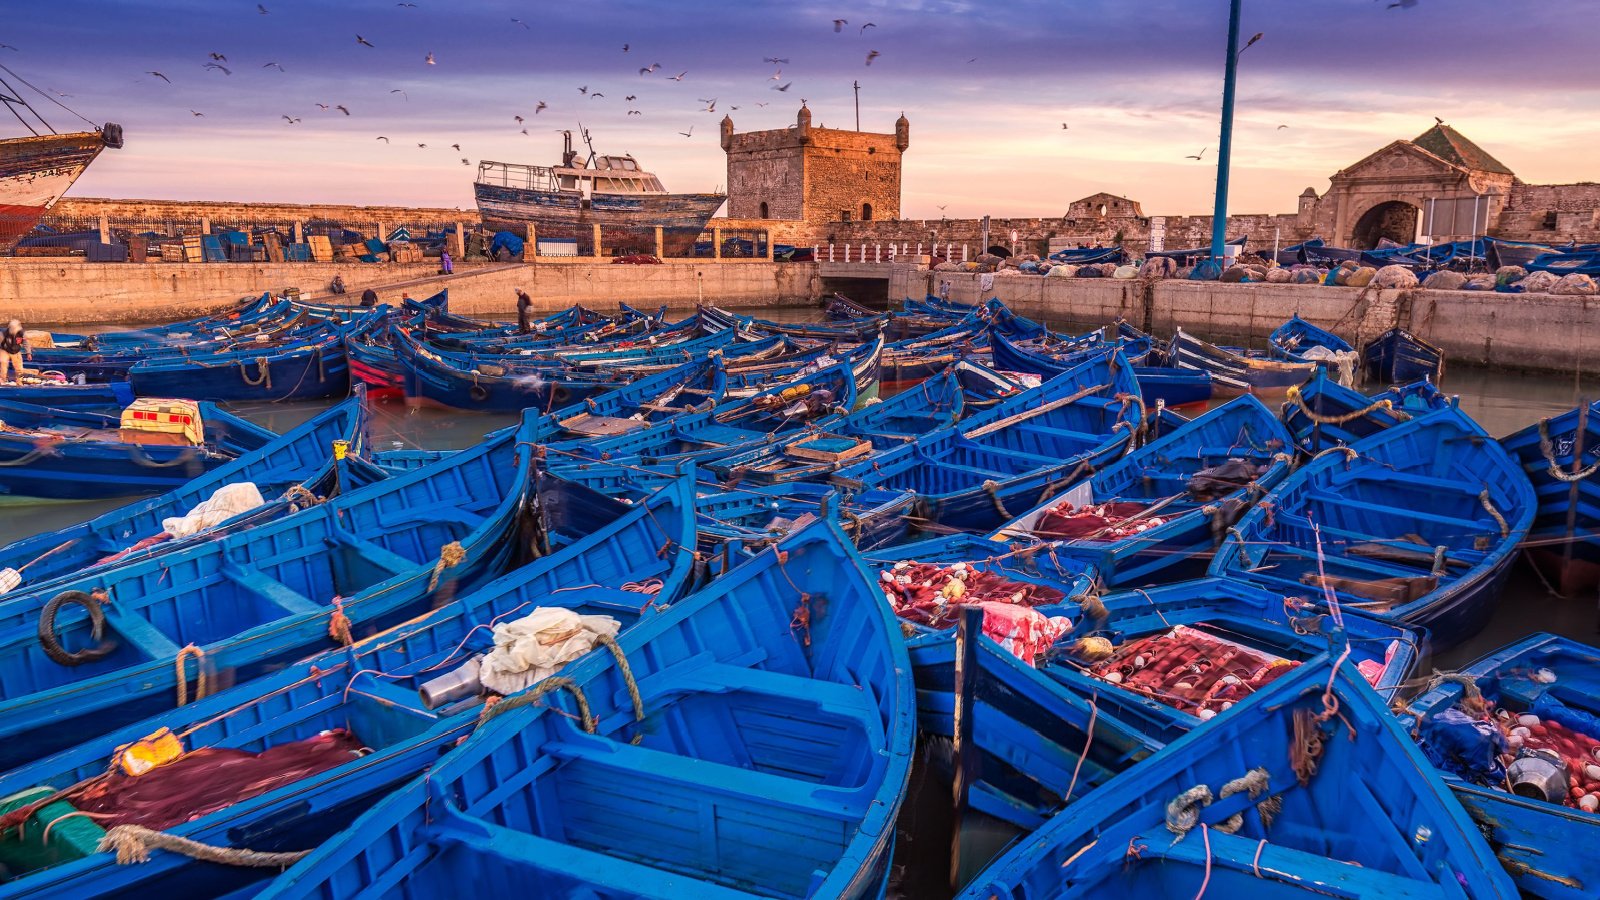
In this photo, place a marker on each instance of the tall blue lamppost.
(1219, 213)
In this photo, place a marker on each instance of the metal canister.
(1539, 775)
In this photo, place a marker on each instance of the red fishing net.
(924, 593)
(1105, 521)
(208, 779)
(1190, 670)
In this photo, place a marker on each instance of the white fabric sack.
(536, 646)
(228, 501)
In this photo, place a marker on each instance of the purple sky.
(1138, 84)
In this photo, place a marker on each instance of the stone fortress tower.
(808, 174)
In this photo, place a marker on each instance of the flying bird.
(290, 119)
(1063, 126)
(429, 60)
(941, 209)
(630, 97)
(412, 5)
(839, 24)
(973, 60)
(1282, 127)
(193, 113)
(782, 87)
(160, 76)
(1403, 4)
(1438, 120)
(584, 89)
(872, 55)
(712, 107)
(650, 69)
(764, 104)
(224, 69)
(678, 77)
(464, 161)
(774, 60)
(423, 146)
(524, 131)
(8, 47)
(776, 76)
(272, 65)
(518, 118)
(1200, 154)
(403, 95)
(261, 9)
(341, 108)
(634, 112)
(689, 133)
(596, 94)
(322, 106)
(624, 48)
(219, 57)
(382, 138)
(868, 25)
(520, 22)
(363, 41)
(1253, 38)
(456, 147)
(733, 107)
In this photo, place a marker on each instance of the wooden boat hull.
(1233, 374)
(1399, 357)
(34, 172)
(627, 221)
(1555, 454)
(311, 371)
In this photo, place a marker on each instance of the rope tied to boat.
(1306, 751)
(1255, 782)
(202, 681)
(298, 498)
(133, 843)
(1546, 447)
(339, 624)
(1505, 527)
(137, 454)
(1384, 404)
(1183, 811)
(40, 451)
(536, 693)
(450, 556)
(992, 488)
(263, 373)
(610, 643)
(1350, 455)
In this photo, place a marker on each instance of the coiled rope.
(450, 555)
(530, 697)
(202, 682)
(298, 498)
(1549, 452)
(133, 843)
(1183, 811)
(1255, 782)
(263, 373)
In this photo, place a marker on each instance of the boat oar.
(11, 578)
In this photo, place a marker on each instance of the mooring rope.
(530, 697)
(1549, 452)
(1505, 527)
(133, 843)
(201, 682)
(1321, 419)
(263, 373)
(450, 555)
(610, 643)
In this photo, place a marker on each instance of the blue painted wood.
(1158, 475)
(787, 719)
(1312, 411)
(1373, 821)
(255, 600)
(1537, 842)
(1235, 371)
(102, 396)
(302, 456)
(1399, 357)
(371, 689)
(76, 455)
(1433, 505)
(1559, 457)
(1292, 340)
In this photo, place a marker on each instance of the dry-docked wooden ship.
(37, 169)
(563, 204)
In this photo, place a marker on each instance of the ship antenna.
(14, 98)
(587, 140)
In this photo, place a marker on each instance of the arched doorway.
(763, 211)
(1000, 251)
(866, 212)
(1395, 220)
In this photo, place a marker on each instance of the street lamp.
(1212, 267)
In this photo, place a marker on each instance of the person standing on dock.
(13, 344)
(524, 306)
(445, 267)
(369, 298)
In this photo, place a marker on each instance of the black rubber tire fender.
(97, 624)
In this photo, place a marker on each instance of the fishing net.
(932, 595)
(208, 779)
(1445, 280)
(1361, 277)
(1394, 277)
(1574, 284)
(1190, 670)
(1539, 282)
(1105, 521)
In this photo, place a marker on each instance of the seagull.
(160, 76)
(8, 47)
(1063, 126)
(712, 107)
(261, 9)
(689, 133)
(322, 106)
(941, 209)
(596, 94)
(1282, 127)
(973, 60)
(776, 76)
(518, 118)
(584, 89)
(764, 104)
(774, 60)
(464, 161)
(429, 60)
(1198, 155)
(423, 146)
(520, 22)
(524, 131)
(341, 108)
(412, 5)
(634, 112)
(363, 41)
(193, 113)
(403, 94)
(1253, 38)
(783, 87)
(1438, 120)
(382, 138)
(290, 119)
(838, 25)
(679, 76)
(224, 69)
(630, 97)
(733, 107)
(650, 69)
(872, 55)
(272, 65)
(219, 57)
(868, 25)
(1403, 4)
(624, 48)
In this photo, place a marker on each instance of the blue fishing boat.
(1418, 524)
(1308, 788)
(1584, 261)
(56, 389)
(303, 369)
(804, 775)
(1235, 371)
(431, 378)
(1323, 413)
(118, 644)
(1160, 510)
(1171, 657)
(1560, 456)
(76, 454)
(1019, 452)
(300, 457)
(1470, 724)
(278, 764)
(746, 378)
(1399, 357)
(1300, 341)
